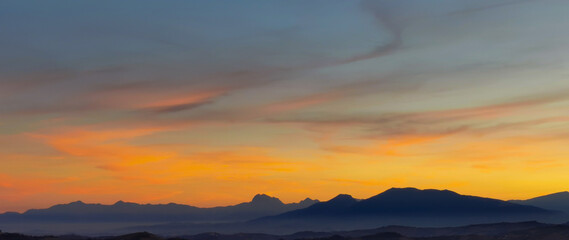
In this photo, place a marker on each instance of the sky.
(208, 103)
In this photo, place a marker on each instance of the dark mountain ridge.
(414, 202)
(405, 206)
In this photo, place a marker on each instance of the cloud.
(107, 149)
(329, 96)
(473, 120)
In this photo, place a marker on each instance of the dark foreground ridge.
(497, 231)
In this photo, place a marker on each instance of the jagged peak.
(122, 203)
(309, 200)
(264, 198)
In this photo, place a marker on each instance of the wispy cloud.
(437, 121)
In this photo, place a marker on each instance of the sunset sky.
(210, 102)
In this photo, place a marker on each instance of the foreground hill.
(498, 231)
(261, 205)
(557, 232)
(556, 201)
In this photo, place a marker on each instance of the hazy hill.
(556, 201)
(261, 205)
(480, 229)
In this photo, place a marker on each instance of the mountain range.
(261, 205)
(269, 215)
(406, 206)
(412, 202)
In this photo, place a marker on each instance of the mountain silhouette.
(414, 202)
(407, 206)
(261, 205)
(556, 201)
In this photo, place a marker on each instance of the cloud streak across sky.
(209, 103)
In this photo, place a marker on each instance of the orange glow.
(104, 164)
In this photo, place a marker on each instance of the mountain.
(556, 201)
(261, 205)
(412, 202)
(406, 206)
(415, 202)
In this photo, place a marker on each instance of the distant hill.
(261, 205)
(556, 201)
